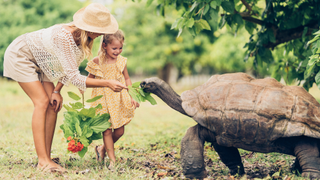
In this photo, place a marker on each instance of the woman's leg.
(40, 100)
(51, 118)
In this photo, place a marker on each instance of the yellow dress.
(117, 104)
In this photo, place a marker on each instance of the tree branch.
(291, 34)
(247, 5)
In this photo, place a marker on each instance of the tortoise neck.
(170, 97)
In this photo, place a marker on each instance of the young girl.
(109, 65)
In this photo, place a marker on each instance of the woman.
(37, 59)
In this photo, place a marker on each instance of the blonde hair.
(107, 39)
(85, 41)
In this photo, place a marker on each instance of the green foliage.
(23, 16)
(137, 93)
(84, 125)
(313, 64)
(273, 25)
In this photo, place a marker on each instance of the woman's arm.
(56, 98)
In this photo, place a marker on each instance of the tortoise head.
(163, 91)
(151, 84)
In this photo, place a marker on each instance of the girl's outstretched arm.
(128, 83)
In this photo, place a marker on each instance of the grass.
(149, 148)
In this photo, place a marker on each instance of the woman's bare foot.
(50, 166)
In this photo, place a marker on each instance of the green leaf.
(195, 4)
(238, 19)
(77, 105)
(149, 2)
(141, 92)
(190, 22)
(192, 31)
(134, 94)
(317, 79)
(175, 24)
(222, 21)
(202, 24)
(99, 106)
(66, 130)
(215, 3)
(94, 99)
(78, 129)
(250, 26)
(100, 123)
(73, 96)
(88, 112)
(205, 9)
(136, 84)
(309, 71)
(149, 98)
(84, 141)
(228, 6)
(96, 136)
(68, 108)
(82, 152)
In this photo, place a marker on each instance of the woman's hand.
(134, 103)
(116, 86)
(56, 101)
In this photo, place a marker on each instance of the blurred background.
(151, 46)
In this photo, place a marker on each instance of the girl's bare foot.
(100, 153)
(111, 166)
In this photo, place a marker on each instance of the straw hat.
(95, 18)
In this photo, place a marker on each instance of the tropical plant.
(82, 125)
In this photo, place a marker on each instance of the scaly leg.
(192, 154)
(307, 152)
(231, 158)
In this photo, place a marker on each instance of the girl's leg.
(40, 100)
(109, 144)
(51, 118)
(117, 133)
(109, 138)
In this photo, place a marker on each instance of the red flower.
(69, 138)
(74, 146)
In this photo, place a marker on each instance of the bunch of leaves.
(137, 93)
(83, 124)
(313, 65)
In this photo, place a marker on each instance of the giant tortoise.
(238, 111)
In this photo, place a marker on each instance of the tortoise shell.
(248, 110)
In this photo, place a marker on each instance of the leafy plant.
(82, 124)
(137, 93)
(313, 65)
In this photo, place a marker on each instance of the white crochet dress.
(57, 55)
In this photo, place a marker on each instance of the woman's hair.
(85, 41)
(107, 39)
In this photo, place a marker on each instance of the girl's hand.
(135, 103)
(116, 86)
(56, 101)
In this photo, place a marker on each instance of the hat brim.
(110, 29)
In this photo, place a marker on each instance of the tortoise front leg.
(307, 152)
(231, 158)
(192, 154)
